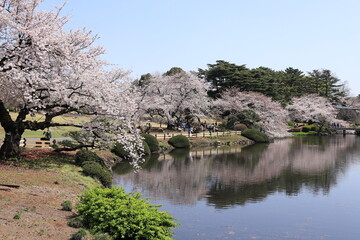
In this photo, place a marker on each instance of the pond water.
(299, 188)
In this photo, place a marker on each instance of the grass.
(56, 131)
(303, 133)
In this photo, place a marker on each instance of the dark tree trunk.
(11, 145)
(13, 132)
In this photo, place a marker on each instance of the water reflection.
(234, 175)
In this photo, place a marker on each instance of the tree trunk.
(13, 132)
(11, 145)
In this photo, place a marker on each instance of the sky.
(149, 36)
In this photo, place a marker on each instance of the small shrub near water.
(95, 170)
(240, 127)
(152, 142)
(256, 136)
(124, 215)
(87, 156)
(179, 141)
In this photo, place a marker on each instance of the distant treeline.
(281, 86)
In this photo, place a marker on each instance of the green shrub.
(87, 156)
(307, 128)
(152, 142)
(179, 141)
(82, 234)
(147, 150)
(240, 127)
(256, 136)
(118, 150)
(17, 216)
(102, 236)
(76, 222)
(95, 170)
(123, 215)
(67, 205)
(247, 117)
(291, 124)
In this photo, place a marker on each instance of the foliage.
(67, 205)
(46, 68)
(102, 236)
(152, 142)
(247, 117)
(281, 86)
(256, 136)
(87, 156)
(179, 141)
(313, 108)
(240, 127)
(147, 150)
(95, 170)
(124, 215)
(175, 96)
(273, 117)
(17, 216)
(82, 234)
(76, 222)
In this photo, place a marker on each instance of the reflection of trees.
(248, 174)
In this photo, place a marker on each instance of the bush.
(256, 136)
(82, 234)
(102, 236)
(179, 141)
(307, 128)
(67, 205)
(119, 150)
(87, 156)
(147, 150)
(247, 117)
(76, 222)
(95, 170)
(124, 216)
(240, 127)
(152, 142)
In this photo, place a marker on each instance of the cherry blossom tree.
(313, 108)
(273, 118)
(45, 69)
(175, 96)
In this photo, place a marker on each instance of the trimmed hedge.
(152, 142)
(124, 215)
(256, 136)
(87, 156)
(240, 127)
(179, 141)
(119, 151)
(95, 170)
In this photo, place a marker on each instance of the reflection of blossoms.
(285, 165)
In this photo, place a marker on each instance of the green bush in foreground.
(179, 141)
(256, 136)
(124, 215)
(152, 142)
(95, 170)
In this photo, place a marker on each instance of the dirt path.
(37, 203)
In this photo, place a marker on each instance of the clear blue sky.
(155, 35)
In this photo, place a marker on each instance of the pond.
(298, 188)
